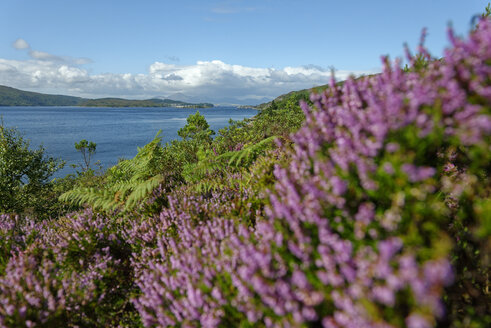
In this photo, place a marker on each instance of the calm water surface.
(116, 131)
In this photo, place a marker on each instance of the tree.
(196, 128)
(87, 149)
(196, 135)
(24, 174)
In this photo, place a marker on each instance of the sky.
(224, 52)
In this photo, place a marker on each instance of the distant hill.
(292, 98)
(119, 102)
(15, 97)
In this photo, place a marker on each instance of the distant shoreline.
(14, 97)
(239, 107)
(75, 106)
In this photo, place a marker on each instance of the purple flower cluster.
(36, 292)
(180, 277)
(352, 236)
(180, 287)
(62, 272)
(16, 233)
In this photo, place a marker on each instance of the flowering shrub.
(183, 285)
(36, 293)
(357, 232)
(15, 235)
(72, 271)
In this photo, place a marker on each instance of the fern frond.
(142, 190)
(247, 155)
(126, 184)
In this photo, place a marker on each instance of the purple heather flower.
(417, 321)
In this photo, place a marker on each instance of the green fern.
(210, 173)
(208, 164)
(126, 184)
(223, 183)
(247, 155)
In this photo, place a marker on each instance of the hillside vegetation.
(14, 97)
(366, 205)
(291, 99)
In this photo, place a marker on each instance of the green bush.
(24, 176)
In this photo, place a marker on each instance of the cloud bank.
(212, 81)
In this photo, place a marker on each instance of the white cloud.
(21, 44)
(213, 81)
(44, 56)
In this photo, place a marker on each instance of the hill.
(15, 97)
(292, 98)
(120, 102)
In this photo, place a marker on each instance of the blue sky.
(221, 51)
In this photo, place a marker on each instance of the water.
(116, 131)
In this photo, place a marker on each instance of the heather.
(368, 205)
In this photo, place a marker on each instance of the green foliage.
(280, 122)
(247, 155)
(125, 185)
(196, 128)
(208, 164)
(235, 135)
(487, 11)
(290, 99)
(196, 134)
(87, 149)
(226, 162)
(24, 176)
(467, 300)
(131, 182)
(212, 172)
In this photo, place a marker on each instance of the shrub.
(69, 272)
(385, 173)
(24, 176)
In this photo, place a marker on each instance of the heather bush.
(36, 294)
(90, 242)
(182, 283)
(183, 249)
(69, 272)
(16, 234)
(387, 190)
